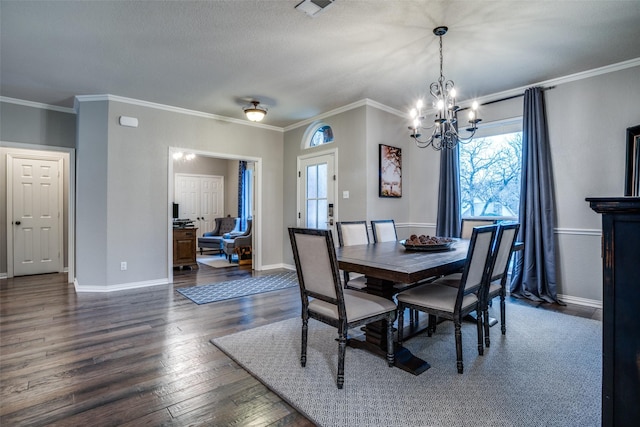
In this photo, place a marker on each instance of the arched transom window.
(317, 134)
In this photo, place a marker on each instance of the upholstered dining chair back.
(505, 240)
(316, 267)
(352, 233)
(384, 230)
(478, 260)
(468, 224)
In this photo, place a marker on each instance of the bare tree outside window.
(490, 176)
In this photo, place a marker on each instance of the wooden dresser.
(620, 309)
(184, 247)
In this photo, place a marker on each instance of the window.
(490, 169)
(317, 134)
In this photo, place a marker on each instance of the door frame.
(331, 152)
(67, 156)
(256, 227)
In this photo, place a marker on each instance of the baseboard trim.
(277, 266)
(3, 276)
(120, 286)
(580, 301)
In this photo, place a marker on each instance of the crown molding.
(364, 102)
(172, 109)
(548, 84)
(39, 105)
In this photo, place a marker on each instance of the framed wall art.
(390, 171)
(632, 173)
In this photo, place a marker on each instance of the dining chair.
(324, 299)
(384, 230)
(497, 276)
(469, 223)
(353, 233)
(453, 303)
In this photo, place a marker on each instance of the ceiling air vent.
(313, 7)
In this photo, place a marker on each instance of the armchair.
(213, 239)
(231, 243)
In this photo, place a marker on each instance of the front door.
(36, 219)
(316, 191)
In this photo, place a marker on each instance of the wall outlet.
(123, 265)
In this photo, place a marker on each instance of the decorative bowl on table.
(427, 243)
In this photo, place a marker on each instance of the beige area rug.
(217, 262)
(545, 372)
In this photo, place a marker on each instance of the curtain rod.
(505, 98)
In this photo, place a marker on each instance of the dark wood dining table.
(387, 264)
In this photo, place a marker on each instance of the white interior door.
(211, 202)
(316, 188)
(36, 216)
(201, 199)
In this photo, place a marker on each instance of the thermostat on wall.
(131, 122)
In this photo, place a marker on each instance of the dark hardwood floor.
(138, 357)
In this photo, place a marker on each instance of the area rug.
(220, 291)
(545, 372)
(217, 262)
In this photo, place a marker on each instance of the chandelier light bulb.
(472, 115)
(413, 113)
(440, 104)
(419, 104)
(474, 105)
(452, 92)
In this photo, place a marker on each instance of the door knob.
(17, 222)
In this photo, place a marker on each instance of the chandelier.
(256, 112)
(444, 131)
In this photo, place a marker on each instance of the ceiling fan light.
(255, 113)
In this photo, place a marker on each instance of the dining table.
(386, 265)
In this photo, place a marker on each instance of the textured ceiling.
(215, 56)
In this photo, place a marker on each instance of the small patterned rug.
(217, 262)
(205, 294)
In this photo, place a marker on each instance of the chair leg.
(458, 334)
(401, 309)
(503, 326)
(479, 325)
(342, 348)
(390, 351)
(487, 339)
(303, 350)
(431, 327)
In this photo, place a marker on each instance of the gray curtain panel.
(449, 217)
(535, 269)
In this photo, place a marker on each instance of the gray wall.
(122, 174)
(135, 220)
(33, 126)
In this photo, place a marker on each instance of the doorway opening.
(230, 198)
